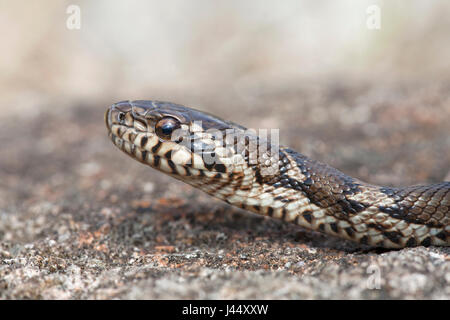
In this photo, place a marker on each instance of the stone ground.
(80, 220)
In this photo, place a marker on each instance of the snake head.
(190, 145)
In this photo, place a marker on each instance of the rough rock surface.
(79, 219)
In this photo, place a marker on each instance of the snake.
(252, 171)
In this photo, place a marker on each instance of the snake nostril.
(121, 117)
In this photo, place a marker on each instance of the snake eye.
(166, 126)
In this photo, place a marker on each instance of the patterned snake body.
(281, 184)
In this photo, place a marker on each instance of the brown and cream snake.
(219, 158)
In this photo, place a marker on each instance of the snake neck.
(319, 197)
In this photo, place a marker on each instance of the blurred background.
(189, 50)
(361, 85)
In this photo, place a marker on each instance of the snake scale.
(277, 181)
